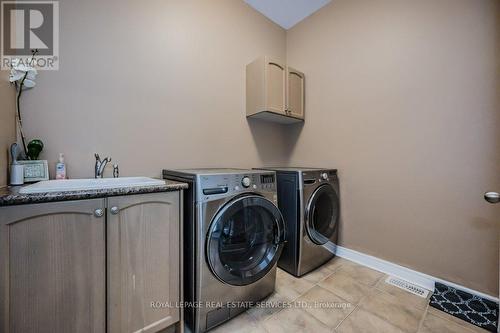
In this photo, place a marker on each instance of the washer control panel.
(246, 182)
(215, 186)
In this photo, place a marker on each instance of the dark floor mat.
(473, 309)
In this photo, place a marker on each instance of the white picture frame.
(35, 171)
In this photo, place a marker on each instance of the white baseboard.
(417, 278)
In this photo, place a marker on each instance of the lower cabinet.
(143, 262)
(52, 266)
(91, 266)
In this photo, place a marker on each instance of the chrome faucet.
(100, 165)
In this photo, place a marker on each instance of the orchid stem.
(19, 119)
(18, 106)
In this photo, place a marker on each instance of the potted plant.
(23, 75)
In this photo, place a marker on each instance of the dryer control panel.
(319, 176)
(216, 186)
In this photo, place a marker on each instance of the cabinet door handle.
(114, 210)
(99, 212)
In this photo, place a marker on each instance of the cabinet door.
(52, 268)
(295, 93)
(143, 262)
(275, 86)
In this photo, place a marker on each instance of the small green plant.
(35, 147)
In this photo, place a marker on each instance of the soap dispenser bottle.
(61, 167)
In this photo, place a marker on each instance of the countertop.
(10, 195)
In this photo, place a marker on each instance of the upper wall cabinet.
(275, 92)
(295, 93)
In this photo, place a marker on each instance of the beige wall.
(154, 84)
(403, 97)
(7, 124)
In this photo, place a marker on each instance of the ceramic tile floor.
(343, 297)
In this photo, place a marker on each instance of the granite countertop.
(10, 195)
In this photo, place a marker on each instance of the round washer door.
(322, 214)
(245, 240)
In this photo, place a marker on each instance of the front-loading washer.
(233, 237)
(309, 200)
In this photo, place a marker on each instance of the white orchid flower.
(19, 70)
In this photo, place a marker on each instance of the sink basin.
(67, 185)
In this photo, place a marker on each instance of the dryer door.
(245, 240)
(322, 214)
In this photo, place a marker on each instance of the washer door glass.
(245, 240)
(322, 214)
